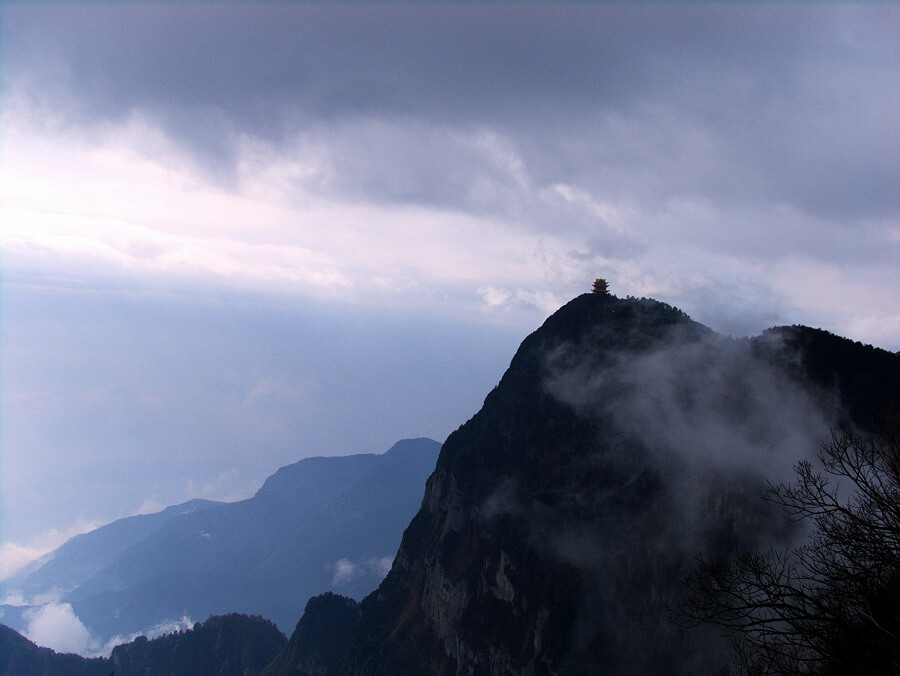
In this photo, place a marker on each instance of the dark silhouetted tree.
(832, 605)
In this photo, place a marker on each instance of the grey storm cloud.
(743, 104)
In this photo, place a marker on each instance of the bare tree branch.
(831, 605)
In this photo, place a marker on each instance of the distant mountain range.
(83, 556)
(560, 520)
(325, 523)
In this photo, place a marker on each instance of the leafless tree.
(831, 605)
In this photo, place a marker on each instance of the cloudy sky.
(232, 236)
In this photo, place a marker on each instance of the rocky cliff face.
(623, 440)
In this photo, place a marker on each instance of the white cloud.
(346, 571)
(229, 485)
(544, 301)
(494, 297)
(56, 626)
(16, 598)
(157, 630)
(851, 300)
(150, 505)
(124, 209)
(268, 388)
(15, 556)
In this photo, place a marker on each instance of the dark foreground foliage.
(19, 656)
(237, 645)
(228, 645)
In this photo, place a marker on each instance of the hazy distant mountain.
(320, 524)
(83, 556)
(232, 645)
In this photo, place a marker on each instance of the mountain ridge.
(315, 525)
(104, 543)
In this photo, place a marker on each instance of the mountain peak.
(623, 440)
(606, 323)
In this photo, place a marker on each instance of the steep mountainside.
(319, 642)
(232, 645)
(320, 524)
(623, 440)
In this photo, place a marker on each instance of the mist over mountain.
(326, 523)
(624, 440)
